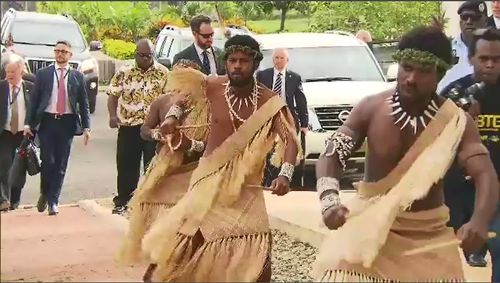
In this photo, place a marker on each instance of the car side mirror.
(392, 72)
(95, 45)
(165, 62)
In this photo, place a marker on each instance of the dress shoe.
(119, 209)
(476, 261)
(4, 206)
(53, 210)
(42, 203)
(14, 206)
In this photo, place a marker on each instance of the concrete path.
(72, 246)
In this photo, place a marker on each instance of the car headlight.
(314, 124)
(88, 66)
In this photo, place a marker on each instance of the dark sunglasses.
(206, 35)
(144, 55)
(61, 51)
(472, 17)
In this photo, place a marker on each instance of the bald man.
(366, 37)
(130, 94)
(288, 85)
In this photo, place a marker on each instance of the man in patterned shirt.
(130, 95)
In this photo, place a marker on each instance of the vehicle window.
(354, 62)
(5, 27)
(48, 33)
(165, 47)
(158, 44)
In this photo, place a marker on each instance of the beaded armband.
(342, 144)
(328, 192)
(287, 170)
(196, 146)
(175, 111)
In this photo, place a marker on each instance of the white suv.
(337, 71)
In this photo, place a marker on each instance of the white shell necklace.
(401, 116)
(232, 99)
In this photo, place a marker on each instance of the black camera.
(464, 97)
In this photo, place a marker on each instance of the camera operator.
(480, 94)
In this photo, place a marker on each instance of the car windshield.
(330, 63)
(47, 33)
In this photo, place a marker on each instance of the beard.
(239, 81)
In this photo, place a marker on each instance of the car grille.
(329, 116)
(36, 65)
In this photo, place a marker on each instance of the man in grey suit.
(494, 19)
(14, 102)
(288, 85)
(201, 51)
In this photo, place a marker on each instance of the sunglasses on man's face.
(144, 55)
(206, 35)
(472, 17)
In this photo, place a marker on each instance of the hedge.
(119, 49)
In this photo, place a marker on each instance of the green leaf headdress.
(421, 57)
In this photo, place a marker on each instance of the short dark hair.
(428, 38)
(197, 21)
(65, 42)
(489, 34)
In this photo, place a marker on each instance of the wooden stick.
(430, 247)
(192, 126)
(260, 187)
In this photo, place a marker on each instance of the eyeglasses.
(472, 17)
(144, 55)
(61, 51)
(206, 35)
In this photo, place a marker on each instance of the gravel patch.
(291, 259)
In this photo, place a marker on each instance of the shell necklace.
(401, 116)
(232, 99)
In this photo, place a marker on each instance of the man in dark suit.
(59, 110)
(494, 19)
(14, 101)
(201, 51)
(288, 85)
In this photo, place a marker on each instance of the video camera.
(464, 97)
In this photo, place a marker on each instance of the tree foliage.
(385, 20)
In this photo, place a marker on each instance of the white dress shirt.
(283, 80)
(21, 108)
(497, 22)
(461, 69)
(211, 58)
(52, 107)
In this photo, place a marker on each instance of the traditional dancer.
(167, 177)
(413, 136)
(219, 230)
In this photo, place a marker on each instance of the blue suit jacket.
(40, 98)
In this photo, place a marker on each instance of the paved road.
(91, 171)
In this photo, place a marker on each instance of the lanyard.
(14, 96)
(57, 77)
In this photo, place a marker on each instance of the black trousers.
(459, 195)
(130, 149)
(8, 145)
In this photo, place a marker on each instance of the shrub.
(119, 49)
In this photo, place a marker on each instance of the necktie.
(206, 63)
(61, 94)
(14, 118)
(277, 84)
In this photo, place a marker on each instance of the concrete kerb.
(91, 206)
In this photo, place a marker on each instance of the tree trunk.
(283, 16)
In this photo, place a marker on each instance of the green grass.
(272, 26)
